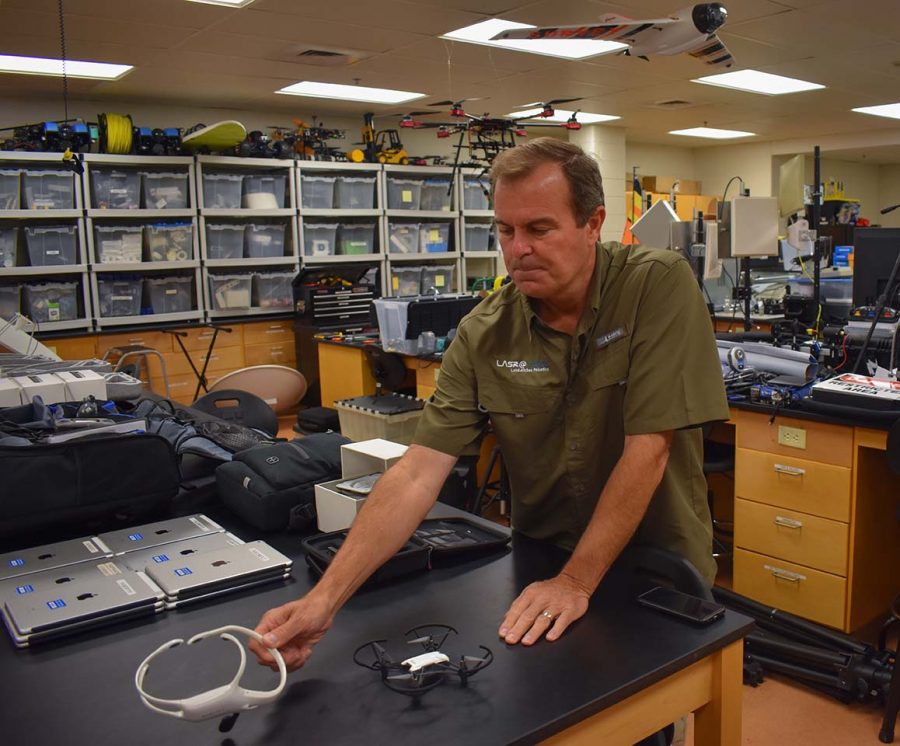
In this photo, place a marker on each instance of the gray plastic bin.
(170, 294)
(438, 279)
(317, 192)
(436, 195)
(49, 190)
(9, 189)
(474, 197)
(10, 298)
(404, 194)
(478, 236)
(264, 240)
(403, 238)
(9, 235)
(434, 237)
(118, 243)
(230, 292)
(222, 190)
(225, 241)
(319, 239)
(264, 191)
(273, 289)
(356, 238)
(405, 280)
(170, 242)
(51, 245)
(116, 190)
(354, 192)
(119, 297)
(51, 301)
(165, 191)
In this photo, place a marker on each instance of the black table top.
(81, 690)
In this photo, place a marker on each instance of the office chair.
(241, 407)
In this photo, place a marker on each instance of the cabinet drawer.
(798, 537)
(181, 388)
(811, 594)
(277, 353)
(198, 339)
(830, 444)
(74, 348)
(147, 337)
(222, 361)
(269, 331)
(796, 484)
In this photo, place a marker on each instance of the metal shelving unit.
(477, 263)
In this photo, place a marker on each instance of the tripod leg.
(891, 705)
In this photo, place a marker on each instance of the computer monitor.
(874, 253)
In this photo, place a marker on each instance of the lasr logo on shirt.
(525, 366)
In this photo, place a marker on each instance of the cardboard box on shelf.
(665, 184)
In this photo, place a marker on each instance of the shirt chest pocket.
(610, 366)
(511, 404)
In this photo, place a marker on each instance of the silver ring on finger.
(548, 614)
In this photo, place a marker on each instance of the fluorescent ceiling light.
(350, 92)
(562, 115)
(74, 68)
(759, 82)
(570, 49)
(712, 133)
(885, 110)
(226, 3)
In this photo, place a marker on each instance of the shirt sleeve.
(674, 376)
(452, 422)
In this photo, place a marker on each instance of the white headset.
(224, 700)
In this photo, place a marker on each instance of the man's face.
(545, 252)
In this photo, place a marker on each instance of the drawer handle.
(780, 520)
(794, 577)
(791, 471)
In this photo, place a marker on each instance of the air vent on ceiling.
(675, 103)
(307, 54)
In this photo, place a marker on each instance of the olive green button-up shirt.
(642, 360)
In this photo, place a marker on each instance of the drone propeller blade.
(420, 640)
(470, 659)
(561, 101)
(455, 102)
(401, 677)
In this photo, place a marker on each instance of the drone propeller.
(402, 677)
(552, 102)
(456, 102)
(420, 640)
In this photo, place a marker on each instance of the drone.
(423, 672)
(308, 142)
(691, 30)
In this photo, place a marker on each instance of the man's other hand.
(293, 629)
(547, 607)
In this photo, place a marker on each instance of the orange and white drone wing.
(621, 30)
(713, 52)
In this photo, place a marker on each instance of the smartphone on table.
(682, 605)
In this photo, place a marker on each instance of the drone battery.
(178, 550)
(50, 556)
(412, 556)
(157, 534)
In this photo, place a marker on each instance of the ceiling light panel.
(570, 49)
(712, 133)
(562, 115)
(350, 93)
(892, 111)
(756, 81)
(73, 68)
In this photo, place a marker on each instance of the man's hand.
(562, 598)
(294, 629)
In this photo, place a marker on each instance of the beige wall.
(752, 162)
(660, 160)
(888, 194)
(607, 145)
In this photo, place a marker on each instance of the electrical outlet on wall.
(792, 437)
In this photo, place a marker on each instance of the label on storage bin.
(53, 310)
(395, 283)
(172, 291)
(434, 235)
(406, 195)
(439, 281)
(121, 297)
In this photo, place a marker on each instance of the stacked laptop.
(53, 590)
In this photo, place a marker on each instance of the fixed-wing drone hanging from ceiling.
(691, 30)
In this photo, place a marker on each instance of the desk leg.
(718, 723)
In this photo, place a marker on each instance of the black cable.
(725, 193)
(62, 47)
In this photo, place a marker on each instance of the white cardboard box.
(46, 385)
(336, 510)
(10, 393)
(82, 383)
(369, 457)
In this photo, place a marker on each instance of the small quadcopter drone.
(423, 672)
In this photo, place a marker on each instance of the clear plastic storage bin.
(118, 243)
(406, 280)
(478, 236)
(434, 237)
(170, 294)
(49, 190)
(51, 245)
(9, 189)
(403, 238)
(354, 192)
(392, 314)
(474, 197)
(319, 239)
(436, 195)
(317, 192)
(438, 279)
(8, 239)
(264, 240)
(10, 298)
(116, 190)
(51, 301)
(356, 238)
(170, 242)
(361, 424)
(264, 192)
(404, 194)
(274, 289)
(222, 190)
(119, 297)
(165, 191)
(225, 241)
(230, 292)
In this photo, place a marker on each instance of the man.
(595, 368)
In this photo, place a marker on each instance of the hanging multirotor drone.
(426, 670)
